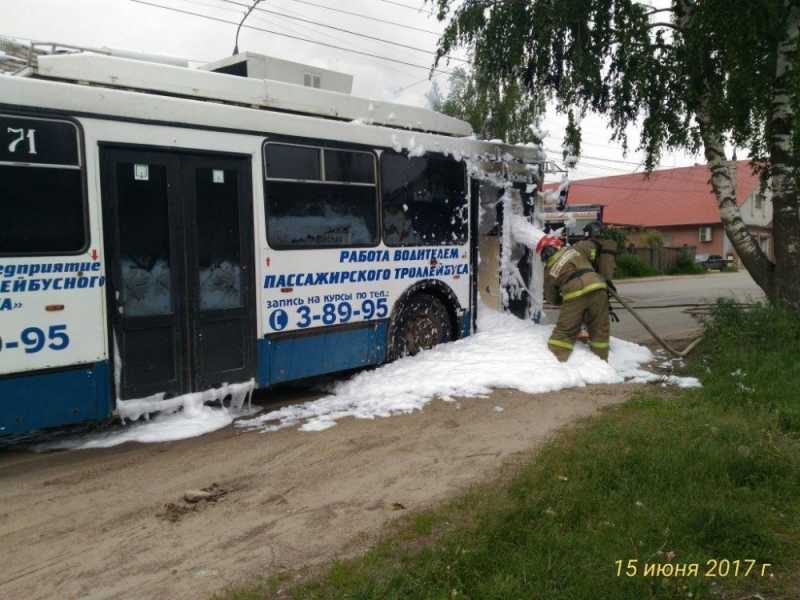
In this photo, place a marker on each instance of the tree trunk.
(785, 201)
(752, 256)
(723, 183)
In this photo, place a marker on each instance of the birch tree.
(700, 75)
(505, 113)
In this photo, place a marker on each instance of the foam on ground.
(505, 353)
(175, 419)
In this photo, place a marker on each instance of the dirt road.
(114, 524)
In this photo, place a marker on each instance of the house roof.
(681, 196)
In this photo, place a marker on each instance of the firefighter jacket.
(568, 274)
(602, 254)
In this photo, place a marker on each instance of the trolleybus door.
(179, 240)
(219, 210)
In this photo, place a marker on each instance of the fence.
(661, 258)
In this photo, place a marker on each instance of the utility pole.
(239, 28)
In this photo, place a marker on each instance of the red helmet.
(545, 241)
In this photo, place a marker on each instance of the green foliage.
(630, 265)
(495, 113)
(752, 360)
(690, 74)
(620, 236)
(653, 238)
(686, 265)
(626, 60)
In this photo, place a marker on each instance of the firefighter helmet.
(547, 241)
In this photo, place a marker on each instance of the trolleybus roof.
(248, 91)
(102, 85)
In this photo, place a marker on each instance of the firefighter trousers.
(591, 309)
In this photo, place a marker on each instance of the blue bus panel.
(54, 398)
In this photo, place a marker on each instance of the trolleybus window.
(219, 250)
(424, 201)
(354, 167)
(144, 243)
(286, 161)
(41, 187)
(326, 198)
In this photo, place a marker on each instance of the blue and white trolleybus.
(169, 230)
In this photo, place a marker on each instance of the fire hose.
(656, 337)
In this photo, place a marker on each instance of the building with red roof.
(680, 204)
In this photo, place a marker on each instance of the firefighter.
(571, 282)
(601, 251)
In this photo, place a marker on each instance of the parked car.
(715, 261)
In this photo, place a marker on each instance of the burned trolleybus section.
(170, 230)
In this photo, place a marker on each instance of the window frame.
(311, 77)
(321, 146)
(80, 167)
(320, 152)
(437, 155)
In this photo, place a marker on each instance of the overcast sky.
(125, 24)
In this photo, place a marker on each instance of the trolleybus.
(168, 230)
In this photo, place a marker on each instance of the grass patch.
(630, 265)
(673, 476)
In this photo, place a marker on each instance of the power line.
(294, 37)
(310, 30)
(645, 187)
(584, 163)
(212, 6)
(394, 3)
(410, 85)
(368, 17)
(317, 31)
(595, 144)
(340, 29)
(612, 160)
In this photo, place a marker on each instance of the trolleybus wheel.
(422, 323)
